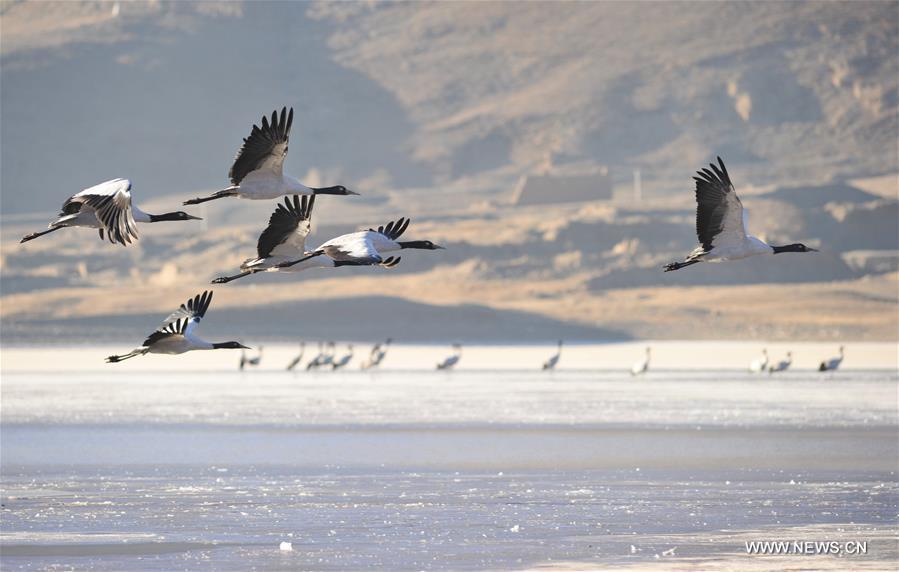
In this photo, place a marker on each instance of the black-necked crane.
(284, 241)
(378, 352)
(313, 363)
(363, 248)
(258, 168)
(641, 367)
(176, 334)
(251, 361)
(340, 362)
(108, 208)
(832, 363)
(324, 358)
(722, 223)
(758, 365)
(450, 361)
(553, 360)
(299, 357)
(782, 365)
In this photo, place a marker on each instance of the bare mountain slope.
(435, 110)
(794, 92)
(447, 95)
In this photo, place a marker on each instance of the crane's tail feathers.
(678, 265)
(226, 279)
(129, 355)
(34, 235)
(822, 367)
(305, 258)
(229, 192)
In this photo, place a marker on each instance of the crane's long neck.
(787, 248)
(141, 216)
(293, 186)
(417, 244)
(162, 217)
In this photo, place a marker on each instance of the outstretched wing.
(394, 229)
(287, 228)
(265, 148)
(182, 320)
(111, 202)
(719, 212)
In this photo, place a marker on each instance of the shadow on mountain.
(365, 318)
(782, 268)
(808, 197)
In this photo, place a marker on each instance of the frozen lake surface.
(423, 470)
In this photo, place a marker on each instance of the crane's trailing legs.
(232, 192)
(226, 279)
(678, 265)
(34, 235)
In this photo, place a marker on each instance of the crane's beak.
(438, 247)
(192, 217)
(244, 347)
(810, 249)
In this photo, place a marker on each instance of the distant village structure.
(555, 188)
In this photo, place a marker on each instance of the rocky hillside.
(446, 96)
(435, 111)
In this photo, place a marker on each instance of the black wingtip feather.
(394, 229)
(403, 229)
(724, 171)
(199, 304)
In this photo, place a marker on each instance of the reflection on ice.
(478, 470)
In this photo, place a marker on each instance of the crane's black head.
(798, 247)
(178, 215)
(421, 245)
(230, 346)
(338, 190)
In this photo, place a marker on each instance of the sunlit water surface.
(420, 470)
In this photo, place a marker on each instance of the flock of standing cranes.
(257, 174)
(763, 364)
(327, 358)
(759, 365)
